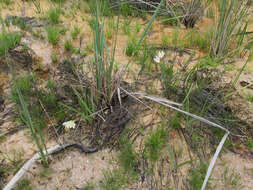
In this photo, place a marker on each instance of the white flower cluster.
(159, 56)
(69, 124)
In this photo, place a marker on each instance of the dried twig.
(52, 150)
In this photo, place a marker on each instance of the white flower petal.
(157, 59)
(69, 124)
(161, 54)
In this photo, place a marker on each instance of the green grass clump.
(127, 156)
(127, 172)
(200, 40)
(51, 85)
(37, 114)
(68, 45)
(104, 7)
(175, 122)
(249, 97)
(155, 143)
(75, 32)
(197, 176)
(127, 9)
(137, 27)
(24, 184)
(104, 82)
(92, 23)
(15, 162)
(54, 15)
(8, 40)
(131, 48)
(165, 39)
(229, 22)
(89, 186)
(85, 107)
(113, 180)
(30, 121)
(126, 27)
(25, 84)
(32, 96)
(167, 20)
(20, 23)
(250, 143)
(108, 33)
(58, 1)
(48, 98)
(54, 58)
(103, 63)
(231, 179)
(53, 34)
(175, 38)
(208, 62)
(144, 58)
(6, 2)
(168, 78)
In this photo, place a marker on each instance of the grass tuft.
(76, 31)
(53, 34)
(6, 2)
(131, 46)
(155, 143)
(8, 41)
(36, 132)
(228, 22)
(127, 156)
(54, 15)
(24, 184)
(249, 97)
(197, 176)
(68, 45)
(113, 180)
(25, 84)
(58, 1)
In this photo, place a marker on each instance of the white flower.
(161, 54)
(157, 59)
(69, 124)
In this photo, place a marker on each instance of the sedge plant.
(36, 132)
(227, 23)
(26, 117)
(104, 78)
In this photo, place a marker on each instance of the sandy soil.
(72, 169)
